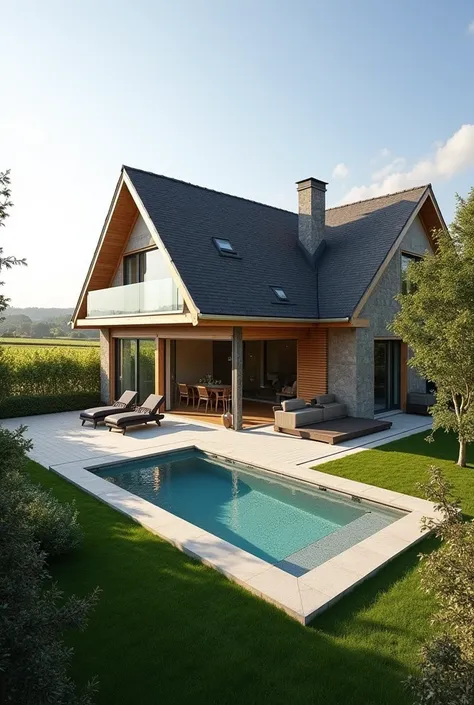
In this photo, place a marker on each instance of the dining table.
(213, 389)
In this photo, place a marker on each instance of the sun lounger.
(98, 413)
(149, 411)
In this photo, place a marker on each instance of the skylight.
(279, 293)
(224, 246)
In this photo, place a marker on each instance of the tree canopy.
(436, 319)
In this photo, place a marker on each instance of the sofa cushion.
(421, 399)
(325, 399)
(334, 411)
(293, 404)
(300, 417)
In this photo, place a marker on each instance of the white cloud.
(451, 157)
(340, 171)
(470, 27)
(384, 153)
(394, 165)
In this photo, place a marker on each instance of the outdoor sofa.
(295, 413)
(98, 413)
(148, 411)
(419, 403)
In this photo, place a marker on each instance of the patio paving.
(60, 439)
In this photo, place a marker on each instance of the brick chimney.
(311, 217)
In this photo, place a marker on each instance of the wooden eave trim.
(392, 251)
(159, 243)
(437, 209)
(97, 250)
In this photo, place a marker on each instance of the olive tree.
(436, 319)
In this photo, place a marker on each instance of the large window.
(144, 266)
(386, 375)
(135, 367)
(406, 259)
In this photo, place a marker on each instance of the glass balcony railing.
(158, 296)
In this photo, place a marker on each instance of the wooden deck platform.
(339, 430)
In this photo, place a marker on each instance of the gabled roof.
(359, 237)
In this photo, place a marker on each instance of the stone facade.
(351, 351)
(104, 365)
(342, 366)
(140, 237)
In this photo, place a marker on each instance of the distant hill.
(37, 322)
(39, 314)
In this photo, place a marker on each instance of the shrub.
(55, 524)
(447, 667)
(34, 660)
(50, 404)
(28, 371)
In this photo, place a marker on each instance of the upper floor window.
(406, 259)
(144, 266)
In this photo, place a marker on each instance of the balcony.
(158, 296)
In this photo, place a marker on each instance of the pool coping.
(302, 598)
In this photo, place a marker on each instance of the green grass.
(170, 630)
(50, 342)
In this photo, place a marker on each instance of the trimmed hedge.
(32, 405)
(48, 371)
(48, 380)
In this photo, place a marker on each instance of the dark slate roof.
(359, 236)
(187, 217)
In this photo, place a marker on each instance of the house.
(187, 282)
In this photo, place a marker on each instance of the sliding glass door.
(386, 375)
(135, 367)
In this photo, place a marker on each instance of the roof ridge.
(205, 188)
(375, 198)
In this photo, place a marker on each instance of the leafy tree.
(436, 319)
(447, 667)
(5, 205)
(40, 330)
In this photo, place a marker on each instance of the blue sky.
(244, 97)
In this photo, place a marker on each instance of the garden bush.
(447, 666)
(33, 405)
(48, 371)
(34, 660)
(55, 524)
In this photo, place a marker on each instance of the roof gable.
(359, 237)
(184, 220)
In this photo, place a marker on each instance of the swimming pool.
(288, 524)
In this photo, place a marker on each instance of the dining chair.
(203, 396)
(227, 399)
(220, 397)
(184, 394)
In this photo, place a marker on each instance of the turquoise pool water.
(284, 523)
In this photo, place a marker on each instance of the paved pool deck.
(70, 450)
(59, 439)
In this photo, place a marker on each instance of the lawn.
(170, 630)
